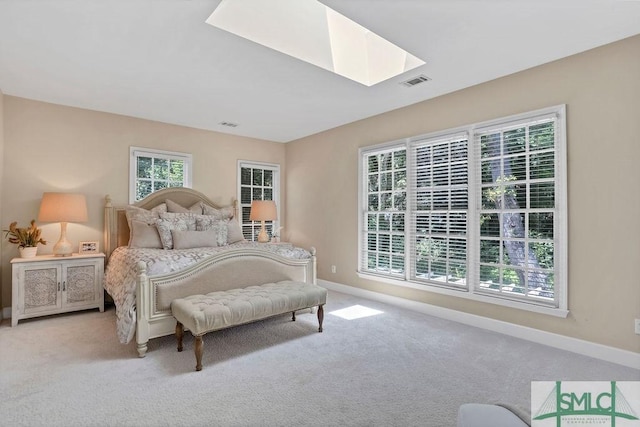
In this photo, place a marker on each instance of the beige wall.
(601, 89)
(1, 167)
(49, 147)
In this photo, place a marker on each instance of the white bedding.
(120, 274)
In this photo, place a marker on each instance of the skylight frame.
(313, 32)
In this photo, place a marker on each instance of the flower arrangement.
(28, 237)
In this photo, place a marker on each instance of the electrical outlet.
(638, 326)
(333, 270)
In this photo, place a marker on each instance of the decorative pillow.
(188, 239)
(144, 235)
(205, 222)
(190, 217)
(234, 232)
(144, 215)
(176, 208)
(174, 221)
(224, 213)
(219, 226)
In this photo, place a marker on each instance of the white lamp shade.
(63, 207)
(263, 210)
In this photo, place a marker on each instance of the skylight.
(315, 33)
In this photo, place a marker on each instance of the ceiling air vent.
(415, 80)
(229, 124)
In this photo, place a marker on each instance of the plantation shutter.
(479, 211)
(439, 209)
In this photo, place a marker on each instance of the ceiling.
(159, 60)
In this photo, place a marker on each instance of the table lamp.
(263, 210)
(63, 208)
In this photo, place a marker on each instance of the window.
(439, 210)
(385, 213)
(478, 212)
(257, 181)
(517, 188)
(153, 170)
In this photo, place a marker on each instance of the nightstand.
(48, 284)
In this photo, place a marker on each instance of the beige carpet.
(397, 368)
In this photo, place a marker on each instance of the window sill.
(556, 312)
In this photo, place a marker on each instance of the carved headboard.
(116, 229)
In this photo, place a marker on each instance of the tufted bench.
(223, 309)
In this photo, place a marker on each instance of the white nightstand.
(48, 284)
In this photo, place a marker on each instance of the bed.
(143, 280)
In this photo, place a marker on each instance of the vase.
(28, 252)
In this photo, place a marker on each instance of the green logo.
(584, 403)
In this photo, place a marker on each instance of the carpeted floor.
(397, 368)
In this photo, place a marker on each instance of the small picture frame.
(88, 248)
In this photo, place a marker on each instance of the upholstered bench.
(223, 309)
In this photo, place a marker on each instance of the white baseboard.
(598, 351)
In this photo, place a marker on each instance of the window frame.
(559, 307)
(136, 152)
(255, 225)
(388, 148)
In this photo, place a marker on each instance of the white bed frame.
(229, 269)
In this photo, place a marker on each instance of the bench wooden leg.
(179, 334)
(320, 317)
(198, 350)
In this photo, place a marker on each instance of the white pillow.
(223, 213)
(148, 216)
(176, 208)
(144, 235)
(234, 232)
(187, 239)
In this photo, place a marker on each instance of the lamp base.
(263, 237)
(63, 246)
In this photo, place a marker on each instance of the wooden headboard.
(116, 229)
